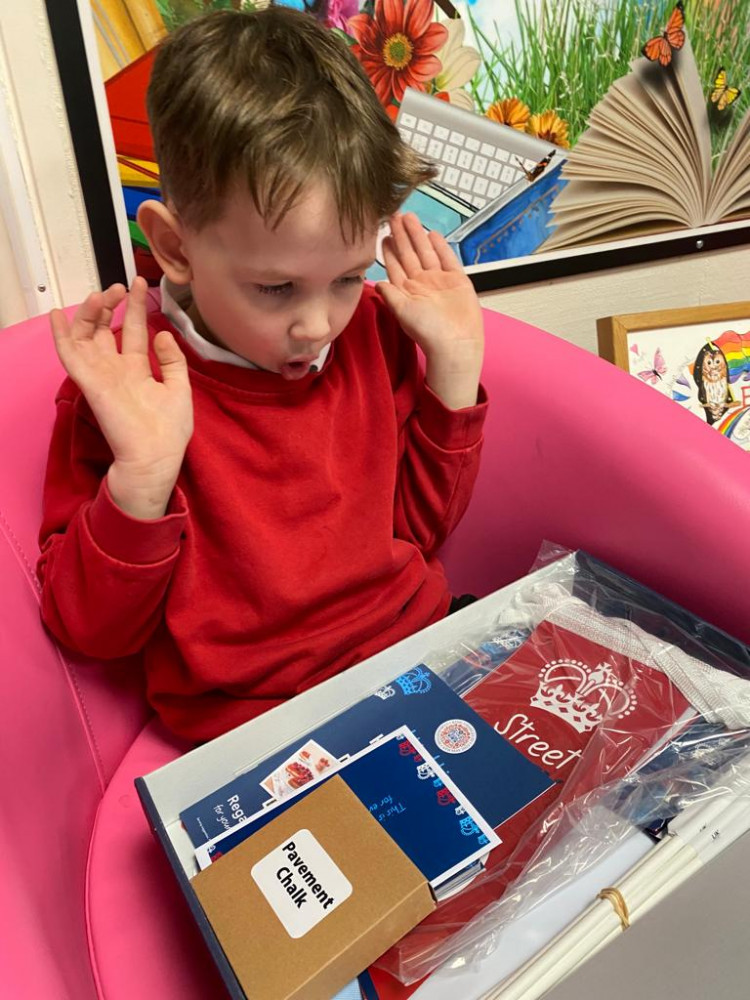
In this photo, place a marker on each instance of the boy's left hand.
(435, 302)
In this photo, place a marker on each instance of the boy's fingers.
(64, 341)
(113, 296)
(395, 271)
(402, 247)
(448, 259)
(105, 318)
(171, 359)
(421, 244)
(392, 296)
(60, 326)
(86, 318)
(134, 329)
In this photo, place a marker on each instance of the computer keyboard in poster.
(477, 158)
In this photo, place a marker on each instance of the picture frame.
(697, 356)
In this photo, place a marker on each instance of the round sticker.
(455, 736)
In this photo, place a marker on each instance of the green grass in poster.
(177, 12)
(571, 51)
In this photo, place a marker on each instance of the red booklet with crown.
(555, 696)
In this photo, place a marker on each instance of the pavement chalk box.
(312, 898)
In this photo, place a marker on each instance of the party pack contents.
(553, 720)
(463, 743)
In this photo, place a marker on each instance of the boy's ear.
(163, 230)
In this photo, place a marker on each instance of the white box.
(171, 789)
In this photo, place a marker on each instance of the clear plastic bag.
(639, 711)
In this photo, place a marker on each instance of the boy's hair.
(272, 99)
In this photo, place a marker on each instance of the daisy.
(510, 112)
(397, 46)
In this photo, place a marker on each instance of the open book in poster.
(644, 164)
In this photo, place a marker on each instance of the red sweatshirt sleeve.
(104, 574)
(439, 453)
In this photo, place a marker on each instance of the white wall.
(12, 301)
(42, 210)
(42, 213)
(570, 307)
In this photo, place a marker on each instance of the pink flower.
(339, 12)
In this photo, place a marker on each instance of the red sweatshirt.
(300, 538)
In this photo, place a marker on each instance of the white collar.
(175, 300)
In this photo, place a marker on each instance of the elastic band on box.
(619, 905)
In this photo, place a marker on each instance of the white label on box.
(301, 882)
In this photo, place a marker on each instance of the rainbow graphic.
(729, 422)
(736, 349)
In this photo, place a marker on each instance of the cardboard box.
(312, 898)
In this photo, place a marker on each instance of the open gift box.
(591, 679)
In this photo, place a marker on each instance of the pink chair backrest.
(580, 453)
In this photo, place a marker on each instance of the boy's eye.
(274, 289)
(286, 287)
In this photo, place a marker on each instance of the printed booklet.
(493, 774)
(412, 798)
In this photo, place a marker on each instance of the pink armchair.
(576, 452)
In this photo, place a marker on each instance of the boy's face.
(276, 297)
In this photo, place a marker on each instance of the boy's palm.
(429, 300)
(428, 290)
(147, 423)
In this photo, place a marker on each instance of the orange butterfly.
(672, 38)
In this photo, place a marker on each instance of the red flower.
(396, 46)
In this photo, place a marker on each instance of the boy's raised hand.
(435, 302)
(147, 423)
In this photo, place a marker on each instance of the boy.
(251, 487)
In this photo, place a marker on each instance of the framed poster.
(698, 357)
(647, 100)
(633, 113)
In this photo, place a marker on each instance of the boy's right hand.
(147, 423)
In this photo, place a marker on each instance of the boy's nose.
(311, 329)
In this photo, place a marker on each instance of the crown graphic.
(416, 681)
(581, 695)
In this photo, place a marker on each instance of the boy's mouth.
(297, 369)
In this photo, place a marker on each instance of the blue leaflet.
(519, 226)
(419, 813)
(493, 775)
